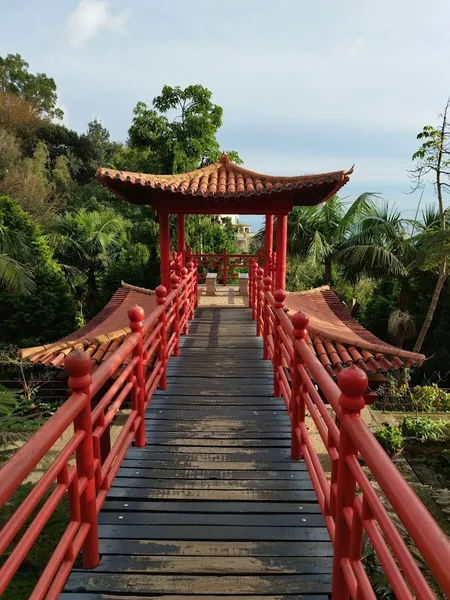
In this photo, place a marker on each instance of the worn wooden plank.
(217, 436)
(129, 470)
(237, 443)
(101, 596)
(242, 565)
(217, 463)
(202, 453)
(183, 494)
(127, 517)
(223, 549)
(204, 507)
(207, 484)
(92, 581)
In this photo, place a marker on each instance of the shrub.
(391, 438)
(423, 429)
(49, 313)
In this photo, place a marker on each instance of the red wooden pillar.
(300, 322)
(164, 248)
(181, 238)
(268, 245)
(280, 278)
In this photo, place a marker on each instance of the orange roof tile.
(101, 335)
(224, 179)
(339, 340)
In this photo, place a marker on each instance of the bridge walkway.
(213, 506)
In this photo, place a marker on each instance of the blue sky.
(305, 86)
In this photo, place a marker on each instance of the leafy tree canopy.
(39, 90)
(179, 132)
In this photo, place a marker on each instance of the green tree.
(49, 312)
(39, 90)
(15, 251)
(182, 143)
(86, 244)
(433, 159)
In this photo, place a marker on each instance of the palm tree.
(317, 232)
(15, 251)
(86, 243)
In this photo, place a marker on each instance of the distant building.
(243, 234)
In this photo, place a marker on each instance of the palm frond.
(15, 277)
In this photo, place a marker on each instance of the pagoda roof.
(338, 340)
(222, 181)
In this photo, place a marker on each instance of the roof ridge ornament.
(224, 158)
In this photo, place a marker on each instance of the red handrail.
(139, 366)
(350, 505)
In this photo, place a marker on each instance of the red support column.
(280, 297)
(280, 279)
(266, 330)
(185, 300)
(136, 315)
(181, 238)
(225, 266)
(268, 245)
(259, 301)
(78, 365)
(176, 322)
(164, 248)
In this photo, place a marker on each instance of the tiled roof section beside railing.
(101, 335)
(339, 340)
(225, 179)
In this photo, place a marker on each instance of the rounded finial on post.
(260, 273)
(174, 281)
(280, 297)
(190, 266)
(254, 266)
(267, 283)
(78, 364)
(136, 315)
(161, 294)
(352, 382)
(183, 272)
(300, 321)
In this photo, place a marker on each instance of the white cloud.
(90, 16)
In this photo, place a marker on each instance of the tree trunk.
(327, 276)
(431, 309)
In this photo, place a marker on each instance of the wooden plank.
(204, 507)
(201, 453)
(127, 517)
(238, 565)
(129, 470)
(218, 464)
(239, 495)
(237, 443)
(209, 585)
(216, 436)
(223, 549)
(208, 484)
(100, 596)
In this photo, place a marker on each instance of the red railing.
(226, 265)
(139, 367)
(351, 507)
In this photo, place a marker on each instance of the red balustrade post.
(250, 282)
(259, 301)
(185, 304)
(195, 261)
(192, 290)
(136, 315)
(78, 365)
(225, 266)
(254, 268)
(266, 308)
(280, 297)
(176, 322)
(161, 294)
(352, 382)
(300, 322)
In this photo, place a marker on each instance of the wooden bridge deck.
(213, 506)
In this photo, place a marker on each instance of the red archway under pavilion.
(223, 188)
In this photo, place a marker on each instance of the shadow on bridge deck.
(213, 506)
